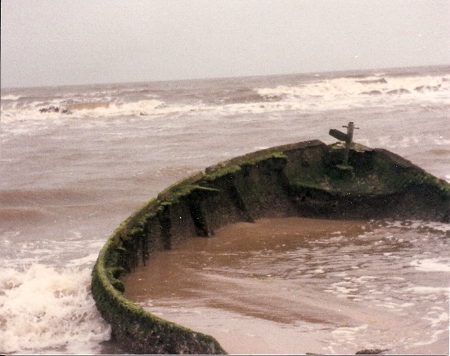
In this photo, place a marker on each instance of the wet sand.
(268, 288)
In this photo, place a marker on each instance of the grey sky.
(58, 42)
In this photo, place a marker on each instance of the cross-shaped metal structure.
(347, 138)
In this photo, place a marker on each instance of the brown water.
(298, 285)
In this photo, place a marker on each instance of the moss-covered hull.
(302, 179)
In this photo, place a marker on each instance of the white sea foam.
(436, 317)
(428, 290)
(347, 336)
(343, 93)
(320, 95)
(348, 332)
(431, 265)
(10, 97)
(44, 309)
(88, 260)
(106, 108)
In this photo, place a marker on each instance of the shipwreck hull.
(304, 179)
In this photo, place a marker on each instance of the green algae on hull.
(302, 179)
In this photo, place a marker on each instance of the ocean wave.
(431, 265)
(333, 88)
(10, 97)
(244, 96)
(426, 226)
(311, 94)
(45, 309)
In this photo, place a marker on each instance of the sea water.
(77, 160)
(296, 285)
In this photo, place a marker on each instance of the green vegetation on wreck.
(137, 330)
(301, 179)
(370, 172)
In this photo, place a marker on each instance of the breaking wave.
(47, 309)
(318, 94)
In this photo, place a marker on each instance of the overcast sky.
(59, 42)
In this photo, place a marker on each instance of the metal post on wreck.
(347, 138)
(348, 143)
